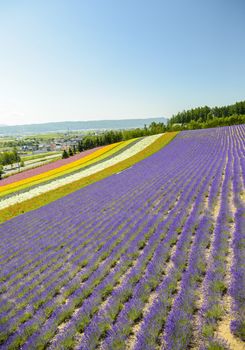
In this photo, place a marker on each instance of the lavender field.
(149, 258)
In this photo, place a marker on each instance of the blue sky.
(115, 59)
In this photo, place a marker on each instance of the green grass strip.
(51, 196)
(40, 156)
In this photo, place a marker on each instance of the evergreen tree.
(1, 171)
(80, 146)
(65, 154)
(70, 152)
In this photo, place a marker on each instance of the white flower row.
(18, 198)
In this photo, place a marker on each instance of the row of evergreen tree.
(204, 114)
(209, 123)
(112, 136)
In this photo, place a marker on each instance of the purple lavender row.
(179, 327)
(61, 257)
(55, 305)
(104, 198)
(48, 293)
(135, 304)
(134, 250)
(93, 321)
(33, 225)
(20, 300)
(237, 288)
(103, 270)
(147, 337)
(84, 314)
(39, 224)
(41, 249)
(133, 309)
(106, 195)
(214, 283)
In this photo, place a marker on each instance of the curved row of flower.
(66, 169)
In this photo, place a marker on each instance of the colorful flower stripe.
(63, 177)
(46, 167)
(47, 183)
(57, 171)
(42, 199)
(72, 168)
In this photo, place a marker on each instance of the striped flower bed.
(16, 207)
(149, 258)
(65, 170)
(52, 173)
(47, 167)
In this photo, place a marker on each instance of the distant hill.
(75, 126)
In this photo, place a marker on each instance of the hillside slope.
(151, 257)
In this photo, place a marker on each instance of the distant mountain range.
(76, 126)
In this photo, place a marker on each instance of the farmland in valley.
(149, 257)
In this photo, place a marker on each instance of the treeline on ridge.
(197, 118)
(112, 136)
(210, 117)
